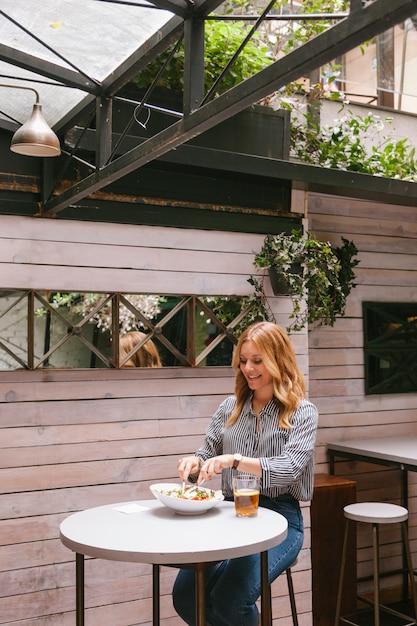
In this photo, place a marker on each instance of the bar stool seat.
(376, 513)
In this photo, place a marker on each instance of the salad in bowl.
(192, 500)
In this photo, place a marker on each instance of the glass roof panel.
(92, 37)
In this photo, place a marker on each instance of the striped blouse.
(286, 456)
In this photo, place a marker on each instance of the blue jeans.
(233, 586)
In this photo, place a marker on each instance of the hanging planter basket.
(279, 284)
(309, 270)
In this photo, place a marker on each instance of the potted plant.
(310, 270)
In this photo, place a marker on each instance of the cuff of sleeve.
(265, 471)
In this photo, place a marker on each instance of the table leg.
(155, 595)
(79, 589)
(266, 605)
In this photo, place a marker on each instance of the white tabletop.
(146, 531)
(401, 450)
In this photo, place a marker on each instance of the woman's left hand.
(214, 466)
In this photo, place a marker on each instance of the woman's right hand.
(189, 465)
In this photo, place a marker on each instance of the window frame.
(390, 347)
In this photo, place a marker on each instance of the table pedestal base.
(200, 588)
(199, 569)
(79, 589)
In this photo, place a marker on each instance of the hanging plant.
(312, 271)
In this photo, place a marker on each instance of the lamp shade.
(35, 137)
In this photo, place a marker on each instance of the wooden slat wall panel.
(386, 237)
(134, 258)
(73, 439)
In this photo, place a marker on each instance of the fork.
(195, 487)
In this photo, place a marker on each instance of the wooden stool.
(377, 513)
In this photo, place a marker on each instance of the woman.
(268, 429)
(146, 356)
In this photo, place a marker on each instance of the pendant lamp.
(34, 137)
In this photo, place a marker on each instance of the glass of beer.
(246, 495)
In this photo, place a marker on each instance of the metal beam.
(9, 125)
(145, 54)
(78, 113)
(360, 26)
(284, 17)
(313, 177)
(178, 7)
(69, 78)
(193, 64)
(155, 46)
(104, 122)
(203, 8)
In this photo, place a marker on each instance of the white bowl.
(182, 505)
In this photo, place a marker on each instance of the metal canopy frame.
(365, 20)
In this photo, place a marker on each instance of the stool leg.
(410, 566)
(375, 546)
(292, 597)
(342, 574)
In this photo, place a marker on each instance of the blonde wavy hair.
(146, 356)
(277, 353)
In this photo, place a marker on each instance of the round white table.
(146, 531)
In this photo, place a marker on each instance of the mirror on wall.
(390, 339)
(45, 329)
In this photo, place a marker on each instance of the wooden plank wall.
(75, 439)
(386, 237)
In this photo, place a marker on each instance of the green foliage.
(324, 280)
(240, 312)
(222, 39)
(57, 300)
(356, 144)
(351, 143)
(300, 32)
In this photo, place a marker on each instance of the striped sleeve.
(293, 468)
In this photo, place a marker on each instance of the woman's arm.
(216, 464)
(297, 453)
